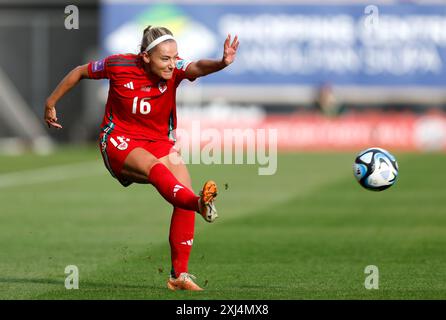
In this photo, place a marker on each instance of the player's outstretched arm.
(204, 67)
(67, 83)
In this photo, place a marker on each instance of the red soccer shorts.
(116, 147)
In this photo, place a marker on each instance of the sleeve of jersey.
(180, 70)
(98, 69)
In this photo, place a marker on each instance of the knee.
(149, 165)
(152, 163)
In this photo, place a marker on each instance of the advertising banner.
(295, 44)
(315, 132)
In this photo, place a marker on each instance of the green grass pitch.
(307, 232)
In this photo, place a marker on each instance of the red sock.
(181, 237)
(171, 189)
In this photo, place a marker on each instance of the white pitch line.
(52, 173)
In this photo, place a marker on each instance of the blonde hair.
(152, 33)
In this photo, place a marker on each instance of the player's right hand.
(51, 118)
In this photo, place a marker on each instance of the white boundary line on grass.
(51, 174)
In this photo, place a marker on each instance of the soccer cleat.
(206, 201)
(184, 282)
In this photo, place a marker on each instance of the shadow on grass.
(85, 284)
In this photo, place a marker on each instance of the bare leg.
(138, 164)
(142, 167)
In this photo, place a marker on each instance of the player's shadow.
(30, 280)
(85, 284)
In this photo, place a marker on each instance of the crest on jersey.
(162, 86)
(146, 88)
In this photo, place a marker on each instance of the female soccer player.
(136, 132)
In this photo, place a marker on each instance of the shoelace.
(211, 208)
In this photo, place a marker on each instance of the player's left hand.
(230, 49)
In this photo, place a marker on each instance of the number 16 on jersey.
(144, 106)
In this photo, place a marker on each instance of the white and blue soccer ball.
(375, 169)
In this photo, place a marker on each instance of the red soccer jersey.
(138, 106)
